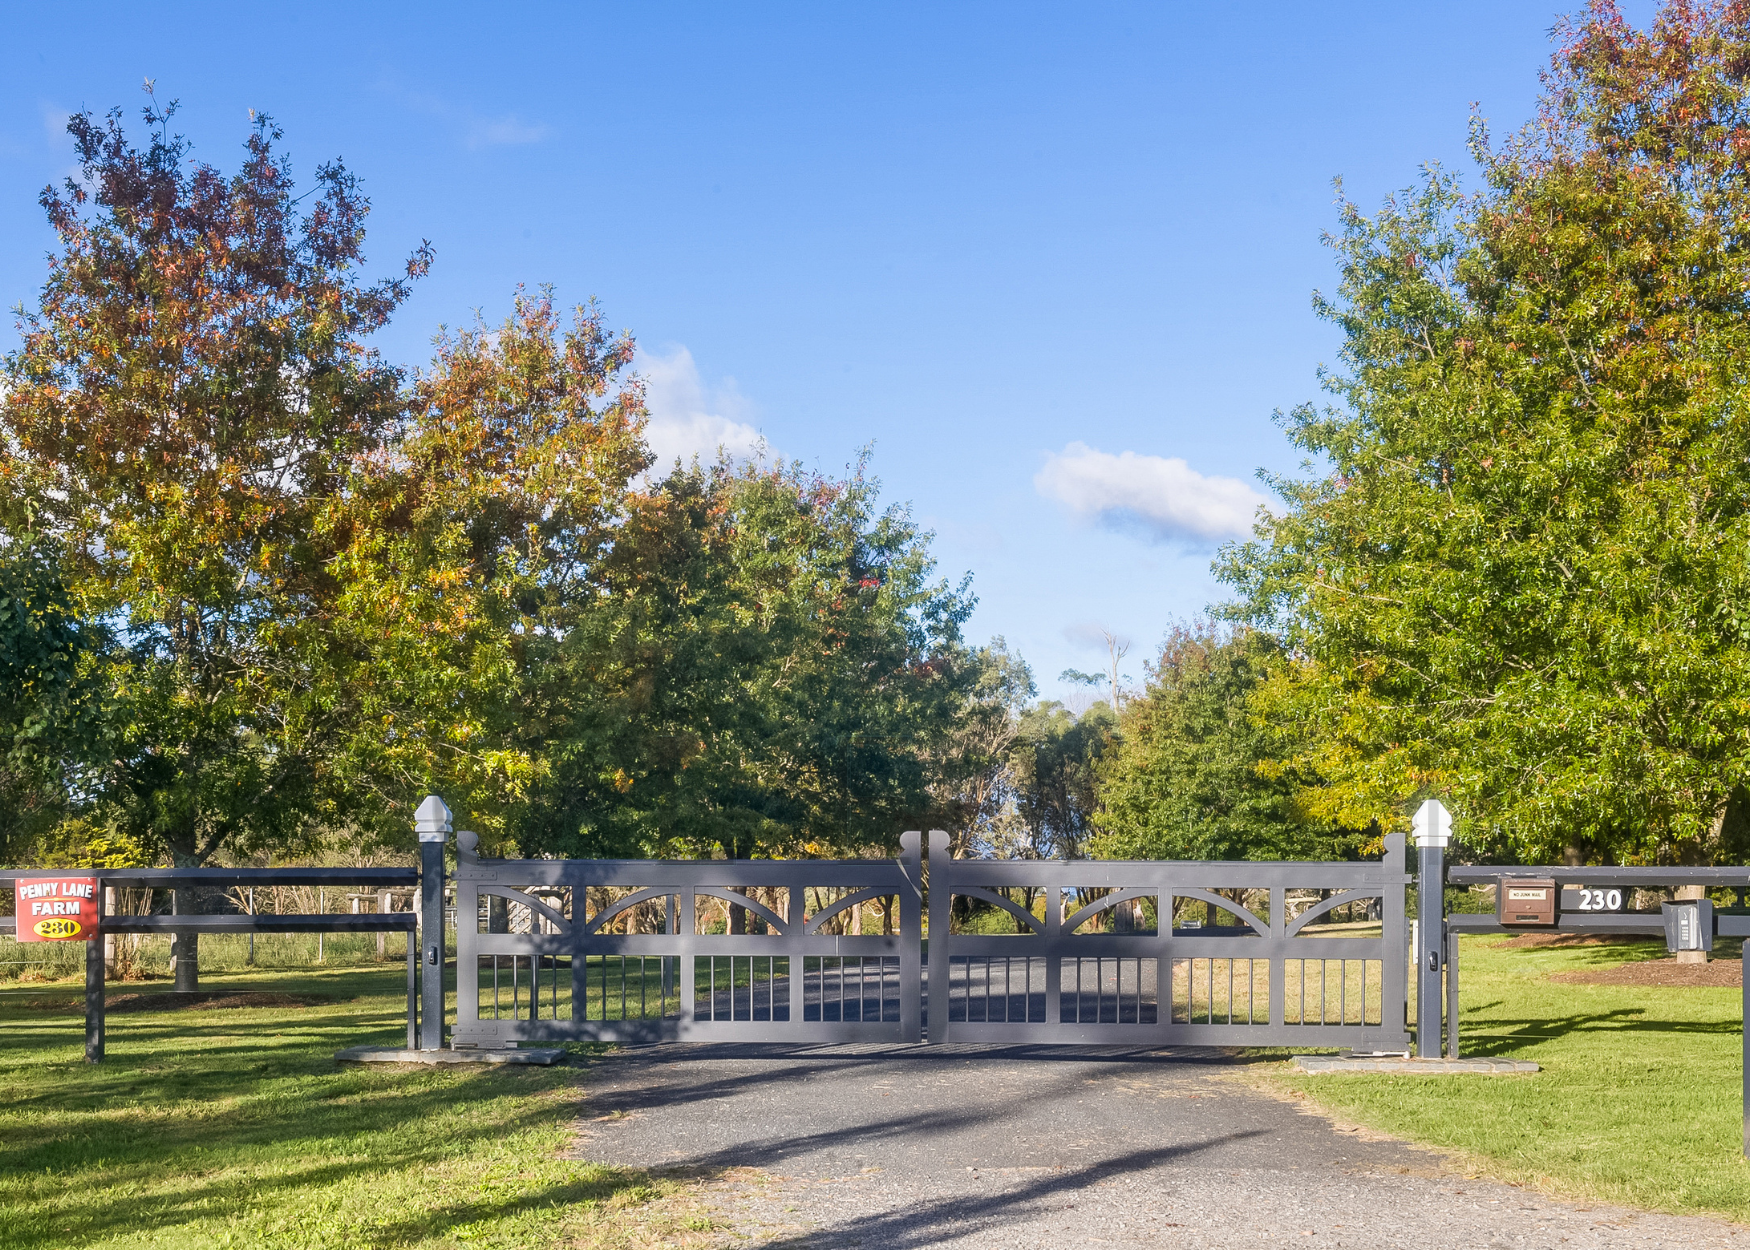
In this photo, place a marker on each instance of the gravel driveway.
(904, 1148)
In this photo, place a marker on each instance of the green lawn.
(234, 1127)
(1639, 1101)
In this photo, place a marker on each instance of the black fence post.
(432, 822)
(94, 998)
(1433, 826)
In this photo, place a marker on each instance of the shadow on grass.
(606, 1184)
(1518, 1033)
(196, 1116)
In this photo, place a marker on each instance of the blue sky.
(1053, 262)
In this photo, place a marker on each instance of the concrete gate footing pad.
(1402, 1065)
(541, 1057)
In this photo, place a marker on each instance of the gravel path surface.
(902, 1148)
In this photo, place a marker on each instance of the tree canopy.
(298, 587)
(1195, 773)
(53, 719)
(767, 669)
(1520, 581)
(190, 396)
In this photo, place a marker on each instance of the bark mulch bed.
(1720, 973)
(1574, 939)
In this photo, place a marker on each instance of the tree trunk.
(185, 945)
(185, 958)
(185, 952)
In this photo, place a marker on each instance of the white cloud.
(686, 419)
(1162, 495)
(477, 130)
(492, 132)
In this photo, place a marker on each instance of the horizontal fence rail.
(202, 881)
(172, 878)
(205, 879)
(1649, 878)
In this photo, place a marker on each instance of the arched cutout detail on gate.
(1105, 904)
(776, 922)
(631, 900)
(1014, 909)
(1227, 905)
(1331, 904)
(533, 904)
(813, 923)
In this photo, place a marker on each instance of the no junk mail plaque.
(57, 909)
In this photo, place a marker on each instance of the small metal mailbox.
(1689, 925)
(1526, 901)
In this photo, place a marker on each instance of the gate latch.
(431, 954)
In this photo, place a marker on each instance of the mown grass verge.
(235, 1127)
(1639, 1101)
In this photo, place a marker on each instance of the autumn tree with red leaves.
(191, 396)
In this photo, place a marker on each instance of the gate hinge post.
(432, 824)
(1433, 829)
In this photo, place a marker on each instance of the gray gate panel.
(1291, 986)
(1259, 980)
(789, 984)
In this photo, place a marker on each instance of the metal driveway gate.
(612, 950)
(1104, 964)
(833, 951)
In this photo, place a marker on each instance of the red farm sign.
(56, 909)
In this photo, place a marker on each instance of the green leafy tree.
(468, 560)
(1055, 764)
(190, 397)
(1521, 582)
(54, 716)
(973, 787)
(1195, 773)
(765, 671)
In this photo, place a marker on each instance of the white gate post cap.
(1433, 824)
(432, 820)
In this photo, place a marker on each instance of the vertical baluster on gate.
(910, 902)
(686, 926)
(1278, 954)
(1394, 945)
(795, 931)
(1053, 953)
(670, 925)
(573, 912)
(467, 937)
(942, 874)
